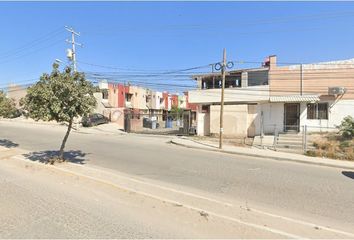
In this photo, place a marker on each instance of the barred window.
(322, 110)
(311, 111)
(317, 111)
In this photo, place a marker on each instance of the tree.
(60, 96)
(7, 107)
(346, 128)
(176, 112)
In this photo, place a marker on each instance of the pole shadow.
(8, 143)
(348, 174)
(73, 156)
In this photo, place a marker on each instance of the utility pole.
(223, 68)
(301, 80)
(73, 44)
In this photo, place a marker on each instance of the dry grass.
(332, 145)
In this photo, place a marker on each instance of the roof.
(295, 98)
(230, 72)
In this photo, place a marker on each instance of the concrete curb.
(33, 123)
(334, 165)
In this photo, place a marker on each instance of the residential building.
(276, 98)
(182, 103)
(110, 101)
(174, 101)
(167, 101)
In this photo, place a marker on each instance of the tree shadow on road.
(8, 143)
(348, 174)
(72, 156)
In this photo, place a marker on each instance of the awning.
(295, 98)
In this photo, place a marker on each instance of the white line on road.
(300, 222)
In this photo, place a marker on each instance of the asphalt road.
(316, 194)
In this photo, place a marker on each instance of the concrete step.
(289, 150)
(289, 145)
(287, 141)
(290, 137)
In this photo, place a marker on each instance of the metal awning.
(295, 98)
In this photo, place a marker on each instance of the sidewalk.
(263, 153)
(106, 129)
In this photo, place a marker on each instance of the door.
(291, 117)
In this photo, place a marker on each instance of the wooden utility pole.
(223, 68)
(301, 80)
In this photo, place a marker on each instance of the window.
(205, 109)
(317, 111)
(322, 110)
(311, 111)
(232, 81)
(105, 94)
(128, 97)
(257, 78)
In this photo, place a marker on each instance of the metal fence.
(296, 138)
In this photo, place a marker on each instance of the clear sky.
(159, 36)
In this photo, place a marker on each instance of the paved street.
(315, 194)
(40, 203)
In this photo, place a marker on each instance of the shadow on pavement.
(348, 174)
(45, 156)
(7, 143)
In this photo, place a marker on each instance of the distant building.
(16, 92)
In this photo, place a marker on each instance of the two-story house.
(276, 98)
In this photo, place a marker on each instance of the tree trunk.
(61, 152)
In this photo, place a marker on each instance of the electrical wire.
(31, 44)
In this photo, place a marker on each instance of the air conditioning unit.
(336, 90)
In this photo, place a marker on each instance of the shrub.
(8, 107)
(346, 128)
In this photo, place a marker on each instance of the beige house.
(276, 98)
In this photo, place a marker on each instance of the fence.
(291, 138)
(166, 123)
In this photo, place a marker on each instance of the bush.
(8, 107)
(346, 128)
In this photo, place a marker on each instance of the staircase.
(291, 142)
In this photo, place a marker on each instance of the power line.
(234, 24)
(145, 70)
(30, 53)
(32, 43)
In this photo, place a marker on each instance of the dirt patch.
(332, 145)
